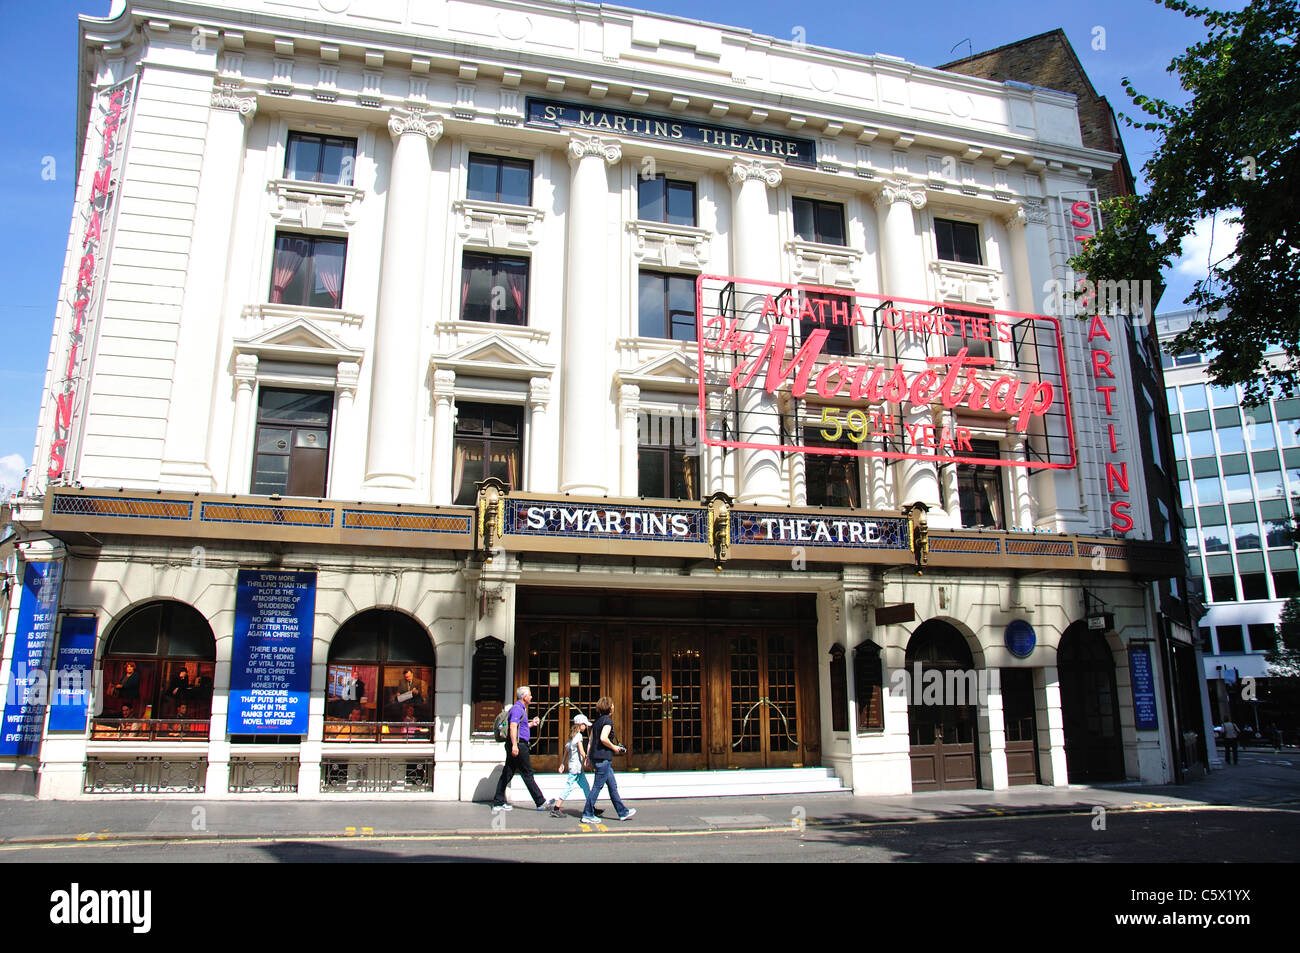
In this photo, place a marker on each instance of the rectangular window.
(488, 443)
(1214, 538)
(1223, 589)
(661, 199)
(1286, 584)
(498, 179)
(1246, 535)
(957, 241)
(830, 480)
(315, 158)
(1230, 638)
(291, 454)
(1263, 637)
(668, 460)
(666, 306)
(974, 332)
(979, 488)
(1193, 396)
(821, 222)
(834, 312)
(1254, 585)
(308, 271)
(1207, 645)
(494, 288)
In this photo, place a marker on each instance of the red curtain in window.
(329, 271)
(287, 261)
(516, 282)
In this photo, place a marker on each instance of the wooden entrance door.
(561, 663)
(943, 734)
(763, 699)
(1020, 719)
(1089, 706)
(668, 726)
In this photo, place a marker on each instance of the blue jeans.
(604, 775)
(575, 780)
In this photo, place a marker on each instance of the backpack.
(501, 727)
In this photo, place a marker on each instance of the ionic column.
(904, 268)
(541, 445)
(444, 421)
(185, 448)
(629, 410)
(395, 391)
(585, 385)
(1022, 500)
(240, 468)
(754, 255)
(1020, 260)
(344, 481)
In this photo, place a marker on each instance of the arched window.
(380, 680)
(158, 670)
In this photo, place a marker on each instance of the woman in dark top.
(603, 749)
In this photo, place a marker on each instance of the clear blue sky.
(39, 70)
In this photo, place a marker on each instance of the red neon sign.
(771, 345)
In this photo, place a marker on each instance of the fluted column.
(541, 445)
(240, 468)
(904, 268)
(185, 448)
(877, 489)
(1016, 224)
(584, 463)
(395, 391)
(754, 255)
(344, 481)
(444, 427)
(629, 410)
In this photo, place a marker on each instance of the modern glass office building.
(1239, 473)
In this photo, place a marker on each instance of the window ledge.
(956, 280)
(497, 224)
(819, 263)
(672, 246)
(317, 205)
(463, 331)
(272, 315)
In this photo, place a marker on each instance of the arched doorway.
(159, 662)
(941, 711)
(380, 680)
(1089, 706)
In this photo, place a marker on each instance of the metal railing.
(145, 775)
(375, 775)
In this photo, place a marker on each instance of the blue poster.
(24, 706)
(73, 669)
(1144, 687)
(270, 672)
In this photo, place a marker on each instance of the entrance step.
(666, 784)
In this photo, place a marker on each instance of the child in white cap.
(573, 762)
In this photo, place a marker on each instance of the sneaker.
(599, 812)
(628, 815)
(556, 812)
(496, 808)
(587, 820)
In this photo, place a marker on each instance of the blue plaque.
(1020, 638)
(73, 668)
(270, 670)
(1144, 687)
(24, 711)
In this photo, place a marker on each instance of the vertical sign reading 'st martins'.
(270, 674)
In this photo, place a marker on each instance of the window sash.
(957, 241)
(311, 157)
(666, 306)
(821, 222)
(500, 179)
(308, 271)
(671, 201)
(481, 276)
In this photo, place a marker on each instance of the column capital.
(348, 373)
(629, 395)
(1030, 212)
(539, 392)
(246, 369)
(581, 146)
(444, 383)
(742, 170)
(402, 122)
(229, 97)
(899, 192)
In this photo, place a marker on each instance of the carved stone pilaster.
(629, 401)
(900, 192)
(402, 123)
(228, 96)
(444, 385)
(539, 392)
(581, 146)
(245, 370)
(744, 169)
(347, 376)
(1034, 212)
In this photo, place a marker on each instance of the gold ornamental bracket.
(918, 538)
(718, 530)
(490, 517)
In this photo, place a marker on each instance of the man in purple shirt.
(517, 754)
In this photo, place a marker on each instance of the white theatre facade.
(347, 262)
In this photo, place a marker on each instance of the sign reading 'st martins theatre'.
(791, 149)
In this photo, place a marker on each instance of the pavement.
(1262, 780)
